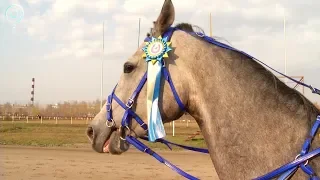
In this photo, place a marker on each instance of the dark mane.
(189, 27)
(183, 26)
(192, 28)
(285, 93)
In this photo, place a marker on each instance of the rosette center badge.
(156, 49)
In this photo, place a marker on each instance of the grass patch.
(61, 135)
(42, 134)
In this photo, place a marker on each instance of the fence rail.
(73, 120)
(47, 119)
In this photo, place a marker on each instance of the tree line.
(63, 109)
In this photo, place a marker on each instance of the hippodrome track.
(24, 163)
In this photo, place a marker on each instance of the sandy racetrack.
(26, 163)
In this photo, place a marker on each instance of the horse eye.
(128, 68)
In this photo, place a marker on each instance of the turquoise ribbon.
(155, 51)
(155, 125)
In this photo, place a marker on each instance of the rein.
(284, 172)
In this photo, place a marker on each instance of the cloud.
(2, 19)
(77, 36)
(72, 29)
(36, 2)
(62, 8)
(141, 6)
(275, 12)
(14, 2)
(154, 7)
(233, 20)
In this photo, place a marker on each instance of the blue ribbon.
(155, 50)
(155, 124)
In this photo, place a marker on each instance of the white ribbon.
(156, 128)
(155, 52)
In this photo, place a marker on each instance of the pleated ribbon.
(155, 50)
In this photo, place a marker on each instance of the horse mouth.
(106, 146)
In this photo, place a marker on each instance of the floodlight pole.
(101, 83)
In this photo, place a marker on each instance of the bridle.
(284, 172)
(129, 114)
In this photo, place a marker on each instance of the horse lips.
(106, 147)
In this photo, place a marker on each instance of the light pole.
(285, 45)
(139, 33)
(101, 83)
(210, 26)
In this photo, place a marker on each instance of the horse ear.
(165, 19)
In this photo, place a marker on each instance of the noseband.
(284, 172)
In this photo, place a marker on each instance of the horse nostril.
(90, 133)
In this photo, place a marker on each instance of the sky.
(59, 42)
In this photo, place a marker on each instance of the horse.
(251, 121)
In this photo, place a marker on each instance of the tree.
(64, 109)
(22, 111)
(35, 110)
(7, 108)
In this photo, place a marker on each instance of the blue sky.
(59, 42)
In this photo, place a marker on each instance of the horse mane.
(285, 93)
(192, 28)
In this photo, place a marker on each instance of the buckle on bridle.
(307, 161)
(121, 130)
(200, 34)
(112, 125)
(108, 107)
(144, 126)
(130, 102)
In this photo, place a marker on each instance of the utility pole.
(285, 45)
(101, 85)
(210, 26)
(139, 33)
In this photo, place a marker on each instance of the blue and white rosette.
(155, 50)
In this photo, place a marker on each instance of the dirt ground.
(24, 163)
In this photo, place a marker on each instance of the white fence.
(79, 121)
(47, 119)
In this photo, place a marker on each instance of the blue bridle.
(284, 172)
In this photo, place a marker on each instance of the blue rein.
(284, 172)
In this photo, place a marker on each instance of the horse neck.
(239, 105)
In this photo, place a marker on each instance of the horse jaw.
(115, 145)
(104, 139)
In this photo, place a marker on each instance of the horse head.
(107, 136)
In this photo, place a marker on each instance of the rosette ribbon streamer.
(155, 52)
